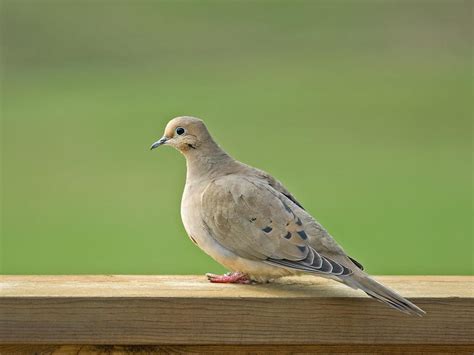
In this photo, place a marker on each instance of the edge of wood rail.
(233, 349)
(189, 311)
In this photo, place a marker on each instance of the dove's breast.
(193, 223)
(199, 233)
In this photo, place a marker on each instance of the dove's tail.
(381, 293)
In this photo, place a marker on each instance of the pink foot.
(229, 278)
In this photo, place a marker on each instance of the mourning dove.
(250, 223)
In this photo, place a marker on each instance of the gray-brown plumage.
(250, 223)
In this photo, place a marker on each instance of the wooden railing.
(74, 314)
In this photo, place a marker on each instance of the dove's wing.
(277, 185)
(323, 241)
(253, 220)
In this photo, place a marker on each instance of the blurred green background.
(362, 109)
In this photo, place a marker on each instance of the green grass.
(363, 110)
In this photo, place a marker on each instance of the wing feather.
(253, 220)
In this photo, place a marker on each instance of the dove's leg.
(231, 277)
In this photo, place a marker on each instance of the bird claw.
(230, 277)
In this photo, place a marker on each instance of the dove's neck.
(208, 161)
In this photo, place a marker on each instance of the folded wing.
(255, 221)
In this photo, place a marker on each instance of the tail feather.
(382, 294)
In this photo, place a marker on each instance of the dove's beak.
(158, 143)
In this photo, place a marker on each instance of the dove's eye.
(180, 131)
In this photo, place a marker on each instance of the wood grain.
(187, 310)
(234, 349)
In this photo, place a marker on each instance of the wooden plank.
(187, 310)
(198, 286)
(233, 349)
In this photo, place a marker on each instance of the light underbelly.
(197, 232)
(256, 269)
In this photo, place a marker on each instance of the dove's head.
(184, 133)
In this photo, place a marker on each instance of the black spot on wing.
(302, 234)
(267, 229)
(302, 247)
(288, 235)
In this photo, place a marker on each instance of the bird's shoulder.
(275, 184)
(243, 175)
